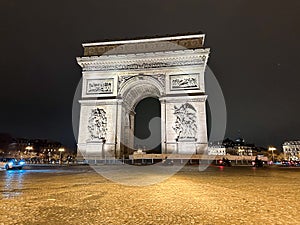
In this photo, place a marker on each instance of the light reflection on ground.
(218, 195)
(13, 183)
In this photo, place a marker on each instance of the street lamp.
(60, 152)
(28, 151)
(272, 149)
(28, 148)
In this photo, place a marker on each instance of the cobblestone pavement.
(215, 196)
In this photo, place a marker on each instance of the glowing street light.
(60, 152)
(28, 148)
(272, 149)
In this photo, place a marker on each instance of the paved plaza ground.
(79, 195)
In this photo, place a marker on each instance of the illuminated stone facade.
(216, 150)
(291, 150)
(117, 75)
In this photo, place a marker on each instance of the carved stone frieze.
(143, 47)
(96, 64)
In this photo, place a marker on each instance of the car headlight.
(10, 163)
(22, 163)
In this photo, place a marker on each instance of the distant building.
(291, 150)
(38, 146)
(34, 150)
(239, 147)
(232, 147)
(29, 148)
(216, 149)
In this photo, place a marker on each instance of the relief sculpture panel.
(186, 121)
(184, 82)
(97, 125)
(99, 86)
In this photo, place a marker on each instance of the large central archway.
(147, 125)
(133, 91)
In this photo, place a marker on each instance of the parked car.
(11, 163)
(224, 162)
(290, 163)
(296, 163)
(257, 162)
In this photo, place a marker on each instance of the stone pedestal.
(186, 146)
(95, 150)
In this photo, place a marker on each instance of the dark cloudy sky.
(254, 55)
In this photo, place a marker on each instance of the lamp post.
(272, 149)
(61, 150)
(28, 151)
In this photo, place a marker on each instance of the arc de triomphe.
(117, 75)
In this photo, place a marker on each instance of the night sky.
(254, 55)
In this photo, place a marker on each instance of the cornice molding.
(144, 60)
(94, 102)
(180, 99)
(144, 45)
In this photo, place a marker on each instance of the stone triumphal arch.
(117, 75)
